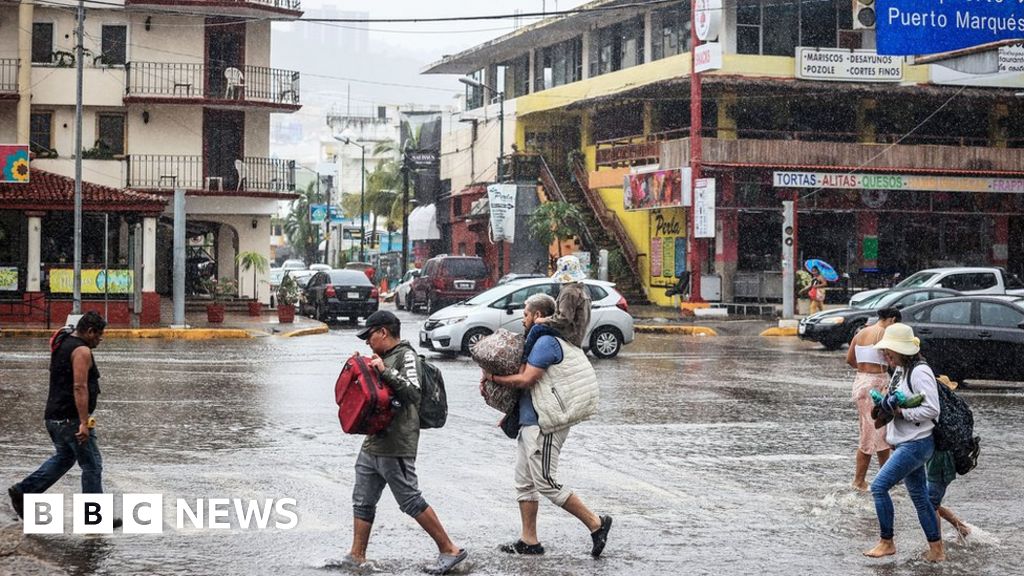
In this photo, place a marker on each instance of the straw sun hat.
(900, 339)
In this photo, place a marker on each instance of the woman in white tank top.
(871, 375)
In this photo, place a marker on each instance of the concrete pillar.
(867, 237)
(998, 115)
(226, 253)
(1000, 240)
(648, 36)
(532, 74)
(585, 59)
(866, 122)
(25, 15)
(35, 225)
(649, 120)
(149, 255)
(726, 120)
(727, 238)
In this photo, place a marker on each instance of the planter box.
(285, 313)
(255, 308)
(215, 313)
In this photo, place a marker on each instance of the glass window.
(952, 313)
(818, 22)
(670, 31)
(475, 94)
(518, 298)
(514, 77)
(777, 27)
(111, 133)
(596, 293)
(999, 315)
(911, 299)
(780, 27)
(42, 42)
(983, 281)
(465, 268)
(113, 44)
(616, 47)
(41, 131)
(559, 64)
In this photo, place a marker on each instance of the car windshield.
(918, 279)
(885, 299)
(488, 296)
(349, 277)
(870, 301)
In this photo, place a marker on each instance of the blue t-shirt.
(546, 351)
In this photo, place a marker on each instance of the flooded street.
(725, 456)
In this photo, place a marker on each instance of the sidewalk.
(235, 326)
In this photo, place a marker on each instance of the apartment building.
(933, 144)
(177, 95)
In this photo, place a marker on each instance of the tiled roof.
(49, 191)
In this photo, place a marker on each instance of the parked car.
(513, 276)
(833, 328)
(347, 293)
(976, 280)
(980, 337)
(319, 267)
(404, 287)
(456, 328)
(364, 267)
(294, 264)
(448, 279)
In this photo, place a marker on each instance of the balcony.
(8, 78)
(215, 86)
(235, 8)
(250, 175)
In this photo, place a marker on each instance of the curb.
(321, 329)
(679, 330)
(124, 333)
(779, 332)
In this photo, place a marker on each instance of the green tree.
(303, 236)
(555, 221)
(257, 263)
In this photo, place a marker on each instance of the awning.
(423, 223)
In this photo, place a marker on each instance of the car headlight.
(450, 321)
(834, 320)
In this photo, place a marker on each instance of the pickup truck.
(974, 280)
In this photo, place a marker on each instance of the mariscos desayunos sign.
(909, 27)
(847, 66)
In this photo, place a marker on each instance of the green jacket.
(402, 437)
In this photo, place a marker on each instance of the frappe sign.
(910, 27)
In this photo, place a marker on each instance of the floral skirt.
(872, 439)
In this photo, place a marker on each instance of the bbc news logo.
(144, 514)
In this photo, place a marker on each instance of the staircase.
(601, 227)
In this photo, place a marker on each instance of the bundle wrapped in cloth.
(501, 354)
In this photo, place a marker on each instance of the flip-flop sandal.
(445, 562)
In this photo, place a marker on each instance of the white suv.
(976, 280)
(456, 328)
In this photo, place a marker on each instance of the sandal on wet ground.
(445, 562)
(600, 536)
(520, 547)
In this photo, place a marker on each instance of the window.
(617, 47)
(999, 315)
(475, 94)
(596, 293)
(41, 131)
(110, 132)
(518, 298)
(670, 31)
(952, 313)
(42, 42)
(113, 44)
(460, 268)
(559, 64)
(513, 77)
(777, 27)
(912, 299)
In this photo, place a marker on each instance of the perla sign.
(909, 27)
(847, 66)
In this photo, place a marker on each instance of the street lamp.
(500, 95)
(346, 138)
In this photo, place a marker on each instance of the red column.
(1000, 240)
(867, 236)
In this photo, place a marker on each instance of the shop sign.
(657, 189)
(14, 165)
(707, 57)
(1011, 59)
(896, 182)
(121, 281)
(837, 65)
(668, 243)
(317, 214)
(502, 202)
(8, 279)
(909, 27)
(709, 19)
(704, 208)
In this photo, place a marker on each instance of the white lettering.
(185, 510)
(293, 517)
(246, 514)
(218, 508)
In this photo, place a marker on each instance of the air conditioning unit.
(214, 184)
(864, 14)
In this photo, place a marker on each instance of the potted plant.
(259, 265)
(218, 290)
(287, 297)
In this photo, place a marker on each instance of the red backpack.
(364, 402)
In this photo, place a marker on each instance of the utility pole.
(693, 245)
(76, 306)
(327, 224)
(405, 210)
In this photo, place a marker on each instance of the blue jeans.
(69, 451)
(906, 464)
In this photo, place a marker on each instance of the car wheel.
(472, 337)
(606, 342)
(398, 302)
(319, 314)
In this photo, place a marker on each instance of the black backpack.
(433, 398)
(954, 429)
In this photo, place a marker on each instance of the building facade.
(176, 95)
(894, 164)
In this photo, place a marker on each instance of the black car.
(978, 337)
(833, 328)
(334, 293)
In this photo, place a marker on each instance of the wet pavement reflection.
(720, 456)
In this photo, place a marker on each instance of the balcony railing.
(8, 75)
(250, 174)
(176, 81)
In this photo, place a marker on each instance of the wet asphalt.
(729, 455)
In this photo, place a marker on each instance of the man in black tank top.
(74, 386)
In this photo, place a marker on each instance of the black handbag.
(510, 423)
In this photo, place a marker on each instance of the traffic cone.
(384, 286)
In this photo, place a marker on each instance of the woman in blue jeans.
(909, 432)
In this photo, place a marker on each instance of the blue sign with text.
(911, 27)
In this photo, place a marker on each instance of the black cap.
(379, 319)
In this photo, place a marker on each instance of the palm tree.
(555, 221)
(257, 263)
(303, 236)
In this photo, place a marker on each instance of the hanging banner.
(704, 206)
(707, 57)
(8, 279)
(912, 27)
(13, 163)
(657, 189)
(502, 201)
(121, 281)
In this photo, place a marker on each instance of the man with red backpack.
(388, 458)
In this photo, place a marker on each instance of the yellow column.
(25, 14)
(865, 122)
(996, 125)
(649, 118)
(726, 121)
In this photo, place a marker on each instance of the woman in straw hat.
(910, 433)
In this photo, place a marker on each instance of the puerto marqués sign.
(912, 27)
